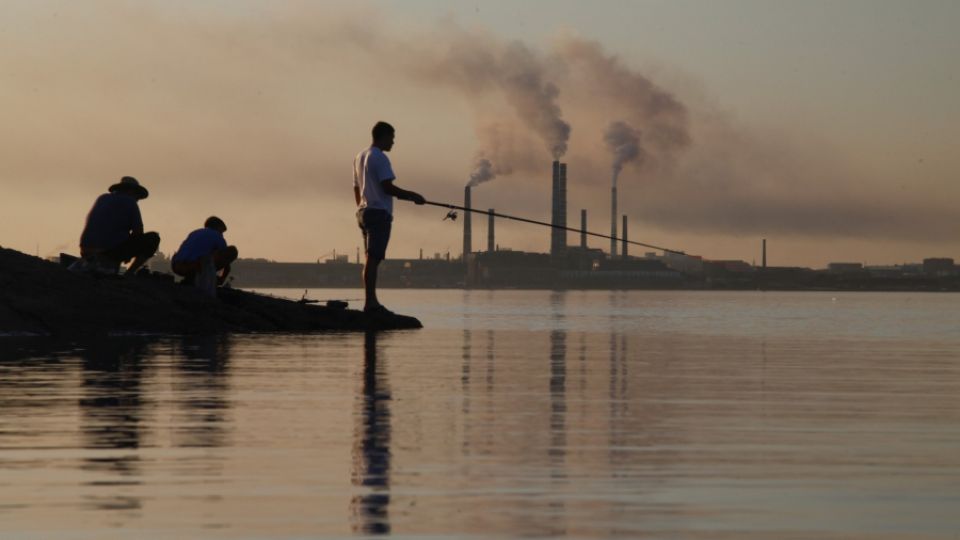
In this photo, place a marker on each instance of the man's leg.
(376, 225)
(222, 259)
(206, 279)
(139, 247)
(144, 246)
(370, 283)
(188, 270)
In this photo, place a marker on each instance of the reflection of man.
(372, 464)
(374, 190)
(112, 410)
(204, 257)
(114, 233)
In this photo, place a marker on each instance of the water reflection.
(619, 416)
(203, 386)
(466, 357)
(558, 383)
(490, 370)
(112, 419)
(28, 383)
(372, 448)
(558, 405)
(482, 432)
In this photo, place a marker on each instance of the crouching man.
(113, 232)
(204, 257)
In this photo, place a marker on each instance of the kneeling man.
(114, 233)
(204, 257)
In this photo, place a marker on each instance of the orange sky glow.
(831, 135)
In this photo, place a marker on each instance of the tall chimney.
(467, 225)
(764, 253)
(562, 218)
(583, 228)
(613, 221)
(490, 245)
(555, 210)
(623, 234)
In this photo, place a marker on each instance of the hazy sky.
(827, 127)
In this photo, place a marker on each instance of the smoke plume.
(663, 119)
(533, 98)
(483, 171)
(624, 143)
(478, 65)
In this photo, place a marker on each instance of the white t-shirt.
(370, 168)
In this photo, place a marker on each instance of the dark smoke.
(624, 143)
(662, 117)
(478, 64)
(535, 100)
(483, 171)
(503, 151)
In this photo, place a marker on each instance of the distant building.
(514, 269)
(730, 266)
(691, 265)
(941, 266)
(622, 273)
(338, 259)
(845, 268)
(912, 269)
(885, 271)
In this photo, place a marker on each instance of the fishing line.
(545, 224)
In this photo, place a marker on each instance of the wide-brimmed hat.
(129, 184)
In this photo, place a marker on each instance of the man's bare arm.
(401, 193)
(356, 194)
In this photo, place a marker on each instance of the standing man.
(374, 190)
(114, 233)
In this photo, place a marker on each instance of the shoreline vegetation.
(42, 298)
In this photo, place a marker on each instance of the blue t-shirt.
(111, 220)
(199, 243)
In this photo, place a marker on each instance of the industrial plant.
(577, 266)
(565, 266)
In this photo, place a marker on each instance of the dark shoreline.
(954, 288)
(648, 275)
(42, 298)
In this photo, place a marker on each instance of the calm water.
(678, 415)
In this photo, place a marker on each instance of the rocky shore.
(39, 297)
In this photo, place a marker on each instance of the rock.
(43, 298)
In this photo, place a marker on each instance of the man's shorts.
(375, 224)
(136, 245)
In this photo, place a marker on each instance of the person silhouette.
(374, 190)
(113, 232)
(204, 257)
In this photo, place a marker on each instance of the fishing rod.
(545, 224)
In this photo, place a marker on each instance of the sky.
(828, 128)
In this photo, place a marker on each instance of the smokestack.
(467, 225)
(613, 221)
(623, 233)
(555, 210)
(764, 253)
(562, 218)
(490, 245)
(583, 228)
